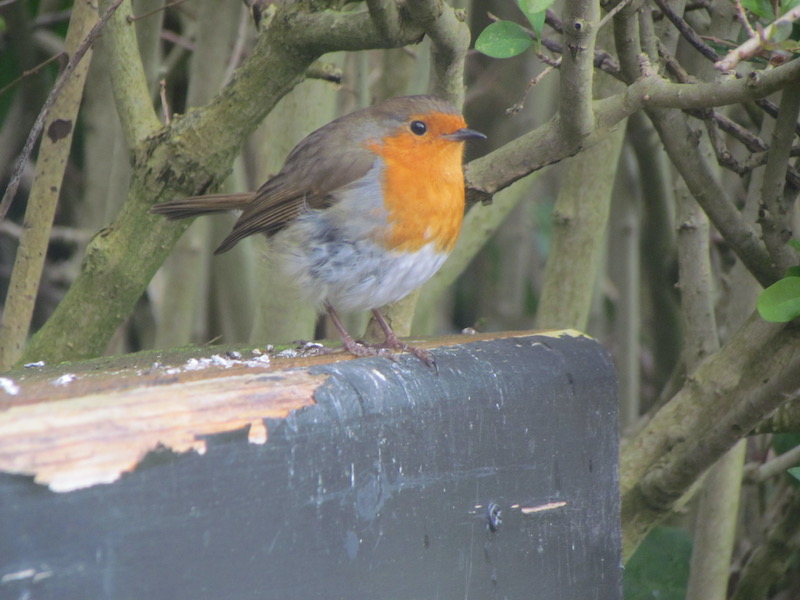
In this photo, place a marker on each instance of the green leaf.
(536, 11)
(794, 242)
(503, 39)
(781, 31)
(537, 6)
(660, 566)
(537, 23)
(780, 302)
(792, 272)
(783, 442)
(762, 8)
(787, 5)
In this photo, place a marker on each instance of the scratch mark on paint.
(529, 510)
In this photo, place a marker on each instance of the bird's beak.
(462, 135)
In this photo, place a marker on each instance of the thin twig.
(150, 13)
(756, 473)
(747, 138)
(178, 40)
(744, 20)
(52, 18)
(66, 235)
(769, 561)
(718, 41)
(698, 42)
(164, 101)
(610, 14)
(238, 47)
(512, 110)
(602, 59)
(776, 218)
(324, 72)
(33, 71)
(555, 63)
(755, 43)
(752, 142)
(554, 21)
(721, 151)
(671, 63)
(689, 34)
(38, 125)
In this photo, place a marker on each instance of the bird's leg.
(351, 345)
(392, 341)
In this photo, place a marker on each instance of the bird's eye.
(418, 127)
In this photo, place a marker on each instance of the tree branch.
(546, 145)
(450, 37)
(686, 30)
(54, 150)
(318, 32)
(776, 219)
(580, 218)
(686, 439)
(717, 509)
(128, 81)
(656, 91)
(656, 95)
(528, 153)
(771, 558)
(697, 298)
(714, 378)
(775, 467)
(385, 16)
(786, 419)
(678, 140)
(581, 18)
(180, 160)
(756, 42)
(36, 130)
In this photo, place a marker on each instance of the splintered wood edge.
(95, 436)
(77, 443)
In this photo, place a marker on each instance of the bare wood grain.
(96, 437)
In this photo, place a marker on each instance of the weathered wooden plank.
(495, 479)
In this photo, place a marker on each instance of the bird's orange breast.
(423, 188)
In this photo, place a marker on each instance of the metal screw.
(494, 517)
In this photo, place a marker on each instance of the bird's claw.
(390, 349)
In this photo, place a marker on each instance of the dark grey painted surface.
(380, 491)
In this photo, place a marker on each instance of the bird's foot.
(361, 348)
(389, 349)
(394, 343)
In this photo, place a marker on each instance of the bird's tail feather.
(195, 206)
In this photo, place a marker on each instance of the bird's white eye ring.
(418, 127)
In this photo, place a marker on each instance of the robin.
(364, 211)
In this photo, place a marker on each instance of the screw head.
(494, 517)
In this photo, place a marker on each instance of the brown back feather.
(195, 206)
(323, 162)
(327, 159)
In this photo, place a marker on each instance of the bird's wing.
(323, 162)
